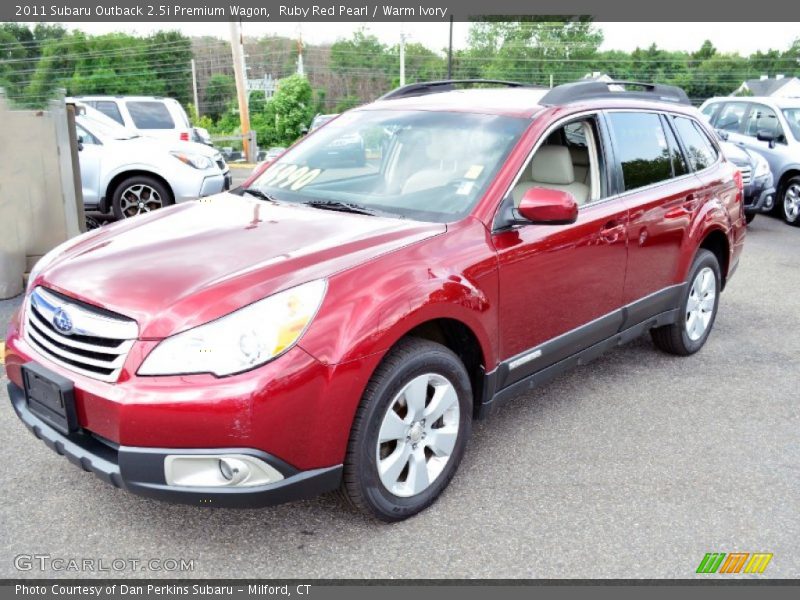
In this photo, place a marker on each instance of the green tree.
(289, 111)
(220, 92)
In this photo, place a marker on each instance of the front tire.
(698, 309)
(410, 431)
(139, 194)
(790, 202)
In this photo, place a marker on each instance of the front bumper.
(141, 470)
(196, 185)
(756, 196)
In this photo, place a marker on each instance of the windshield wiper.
(259, 194)
(341, 207)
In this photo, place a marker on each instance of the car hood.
(185, 265)
(736, 154)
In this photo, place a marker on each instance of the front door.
(561, 285)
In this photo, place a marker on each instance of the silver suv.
(771, 127)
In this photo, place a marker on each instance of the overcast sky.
(744, 38)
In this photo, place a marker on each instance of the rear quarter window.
(700, 150)
(150, 115)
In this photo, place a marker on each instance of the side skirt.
(500, 386)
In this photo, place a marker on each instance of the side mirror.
(548, 207)
(723, 135)
(765, 135)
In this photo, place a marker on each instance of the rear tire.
(139, 194)
(410, 431)
(698, 309)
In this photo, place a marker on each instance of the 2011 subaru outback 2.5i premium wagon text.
(339, 325)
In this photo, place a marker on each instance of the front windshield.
(793, 118)
(428, 166)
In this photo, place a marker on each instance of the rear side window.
(699, 148)
(641, 145)
(150, 115)
(730, 116)
(109, 109)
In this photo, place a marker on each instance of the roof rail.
(584, 90)
(446, 85)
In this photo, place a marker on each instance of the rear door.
(662, 195)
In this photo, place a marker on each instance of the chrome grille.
(78, 337)
(747, 174)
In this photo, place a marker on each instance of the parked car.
(759, 191)
(341, 327)
(151, 116)
(127, 174)
(771, 127)
(270, 156)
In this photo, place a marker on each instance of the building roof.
(766, 87)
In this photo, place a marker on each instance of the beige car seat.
(552, 168)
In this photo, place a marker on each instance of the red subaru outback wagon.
(340, 321)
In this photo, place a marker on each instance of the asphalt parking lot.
(633, 466)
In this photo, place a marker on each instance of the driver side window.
(763, 118)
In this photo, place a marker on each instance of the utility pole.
(450, 51)
(241, 93)
(402, 56)
(300, 68)
(194, 90)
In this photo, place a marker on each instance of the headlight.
(242, 339)
(198, 161)
(762, 166)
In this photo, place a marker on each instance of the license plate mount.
(50, 397)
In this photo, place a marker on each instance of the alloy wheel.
(139, 198)
(418, 435)
(791, 202)
(700, 305)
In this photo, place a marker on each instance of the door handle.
(611, 232)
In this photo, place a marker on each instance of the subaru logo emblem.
(61, 321)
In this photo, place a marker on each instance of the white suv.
(151, 116)
(129, 174)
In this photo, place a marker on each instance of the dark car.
(759, 189)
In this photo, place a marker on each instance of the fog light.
(210, 470)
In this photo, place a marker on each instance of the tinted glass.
(730, 116)
(700, 150)
(763, 118)
(150, 115)
(679, 166)
(792, 116)
(641, 145)
(109, 109)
